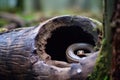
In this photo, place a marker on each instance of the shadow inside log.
(63, 37)
(38, 53)
(57, 34)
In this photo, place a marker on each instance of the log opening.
(56, 34)
(63, 37)
(25, 54)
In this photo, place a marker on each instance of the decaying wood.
(23, 53)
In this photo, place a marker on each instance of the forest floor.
(10, 21)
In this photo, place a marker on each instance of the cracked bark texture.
(116, 41)
(23, 53)
(108, 63)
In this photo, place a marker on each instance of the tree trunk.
(115, 70)
(108, 58)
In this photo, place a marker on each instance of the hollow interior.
(63, 37)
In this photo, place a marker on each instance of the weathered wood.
(25, 54)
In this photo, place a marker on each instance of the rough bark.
(108, 63)
(115, 70)
(24, 55)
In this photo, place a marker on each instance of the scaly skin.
(70, 51)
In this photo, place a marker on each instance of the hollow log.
(38, 53)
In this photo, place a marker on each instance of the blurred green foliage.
(32, 11)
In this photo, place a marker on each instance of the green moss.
(102, 68)
(98, 24)
(3, 22)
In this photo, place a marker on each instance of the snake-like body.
(70, 51)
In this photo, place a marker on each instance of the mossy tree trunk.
(108, 63)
